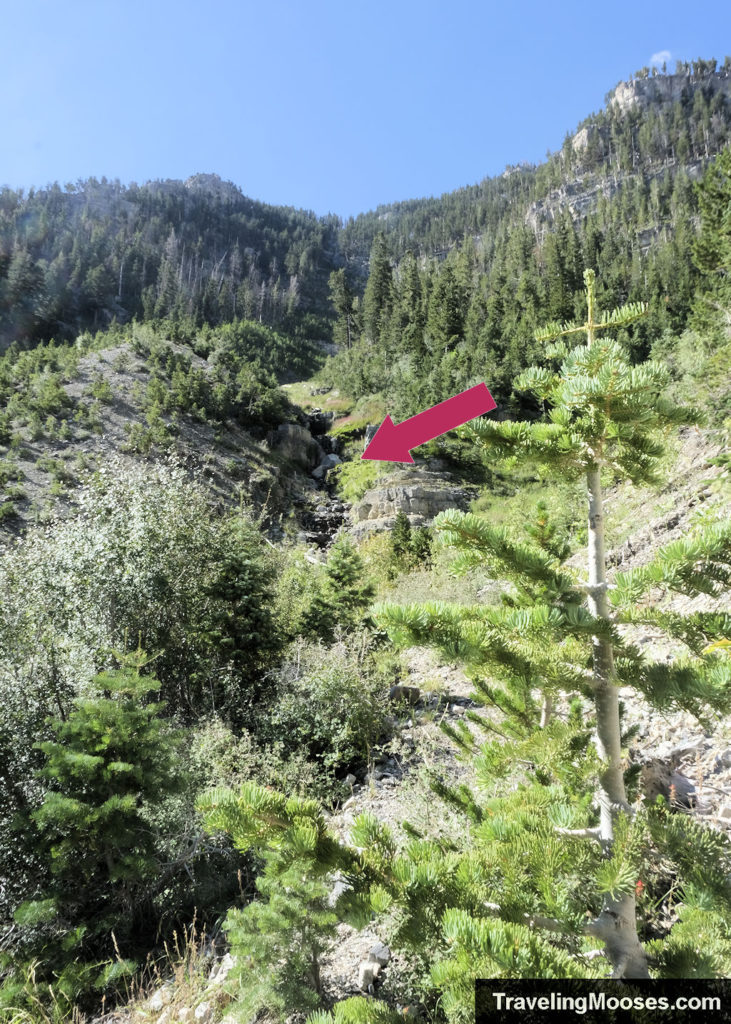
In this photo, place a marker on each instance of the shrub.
(110, 761)
(332, 703)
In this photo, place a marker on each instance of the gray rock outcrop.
(421, 495)
(665, 89)
(297, 444)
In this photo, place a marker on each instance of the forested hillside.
(233, 785)
(457, 285)
(618, 195)
(76, 257)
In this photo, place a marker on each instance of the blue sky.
(333, 107)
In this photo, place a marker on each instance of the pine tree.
(112, 759)
(561, 636)
(345, 302)
(421, 547)
(378, 297)
(343, 595)
(563, 855)
(278, 940)
(712, 250)
(445, 321)
(400, 543)
(409, 548)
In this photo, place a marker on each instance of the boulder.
(419, 493)
(329, 462)
(380, 953)
(221, 970)
(297, 444)
(410, 694)
(657, 778)
(160, 998)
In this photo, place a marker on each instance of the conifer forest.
(288, 735)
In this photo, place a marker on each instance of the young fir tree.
(278, 940)
(421, 551)
(343, 595)
(563, 858)
(113, 759)
(409, 548)
(400, 543)
(561, 635)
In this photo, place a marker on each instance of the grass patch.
(353, 479)
(511, 498)
(348, 428)
(304, 393)
(371, 408)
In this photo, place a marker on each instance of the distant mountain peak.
(662, 89)
(213, 184)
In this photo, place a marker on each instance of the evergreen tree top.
(602, 410)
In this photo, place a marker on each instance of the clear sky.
(330, 106)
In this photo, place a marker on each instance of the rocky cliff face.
(645, 92)
(583, 192)
(422, 494)
(582, 196)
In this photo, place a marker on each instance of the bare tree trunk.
(546, 710)
(616, 924)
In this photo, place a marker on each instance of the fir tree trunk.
(546, 710)
(616, 924)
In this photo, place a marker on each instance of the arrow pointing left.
(393, 443)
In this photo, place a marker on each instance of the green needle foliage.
(556, 636)
(343, 595)
(410, 549)
(558, 861)
(278, 940)
(113, 759)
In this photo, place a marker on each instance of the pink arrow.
(393, 443)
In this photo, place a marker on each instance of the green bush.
(8, 511)
(331, 703)
(110, 761)
(101, 389)
(353, 479)
(9, 471)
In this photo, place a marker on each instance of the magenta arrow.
(393, 443)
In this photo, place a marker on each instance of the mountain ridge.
(80, 257)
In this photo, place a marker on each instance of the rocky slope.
(280, 471)
(673, 749)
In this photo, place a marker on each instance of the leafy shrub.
(142, 558)
(331, 703)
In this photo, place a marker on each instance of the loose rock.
(380, 953)
(410, 694)
(367, 974)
